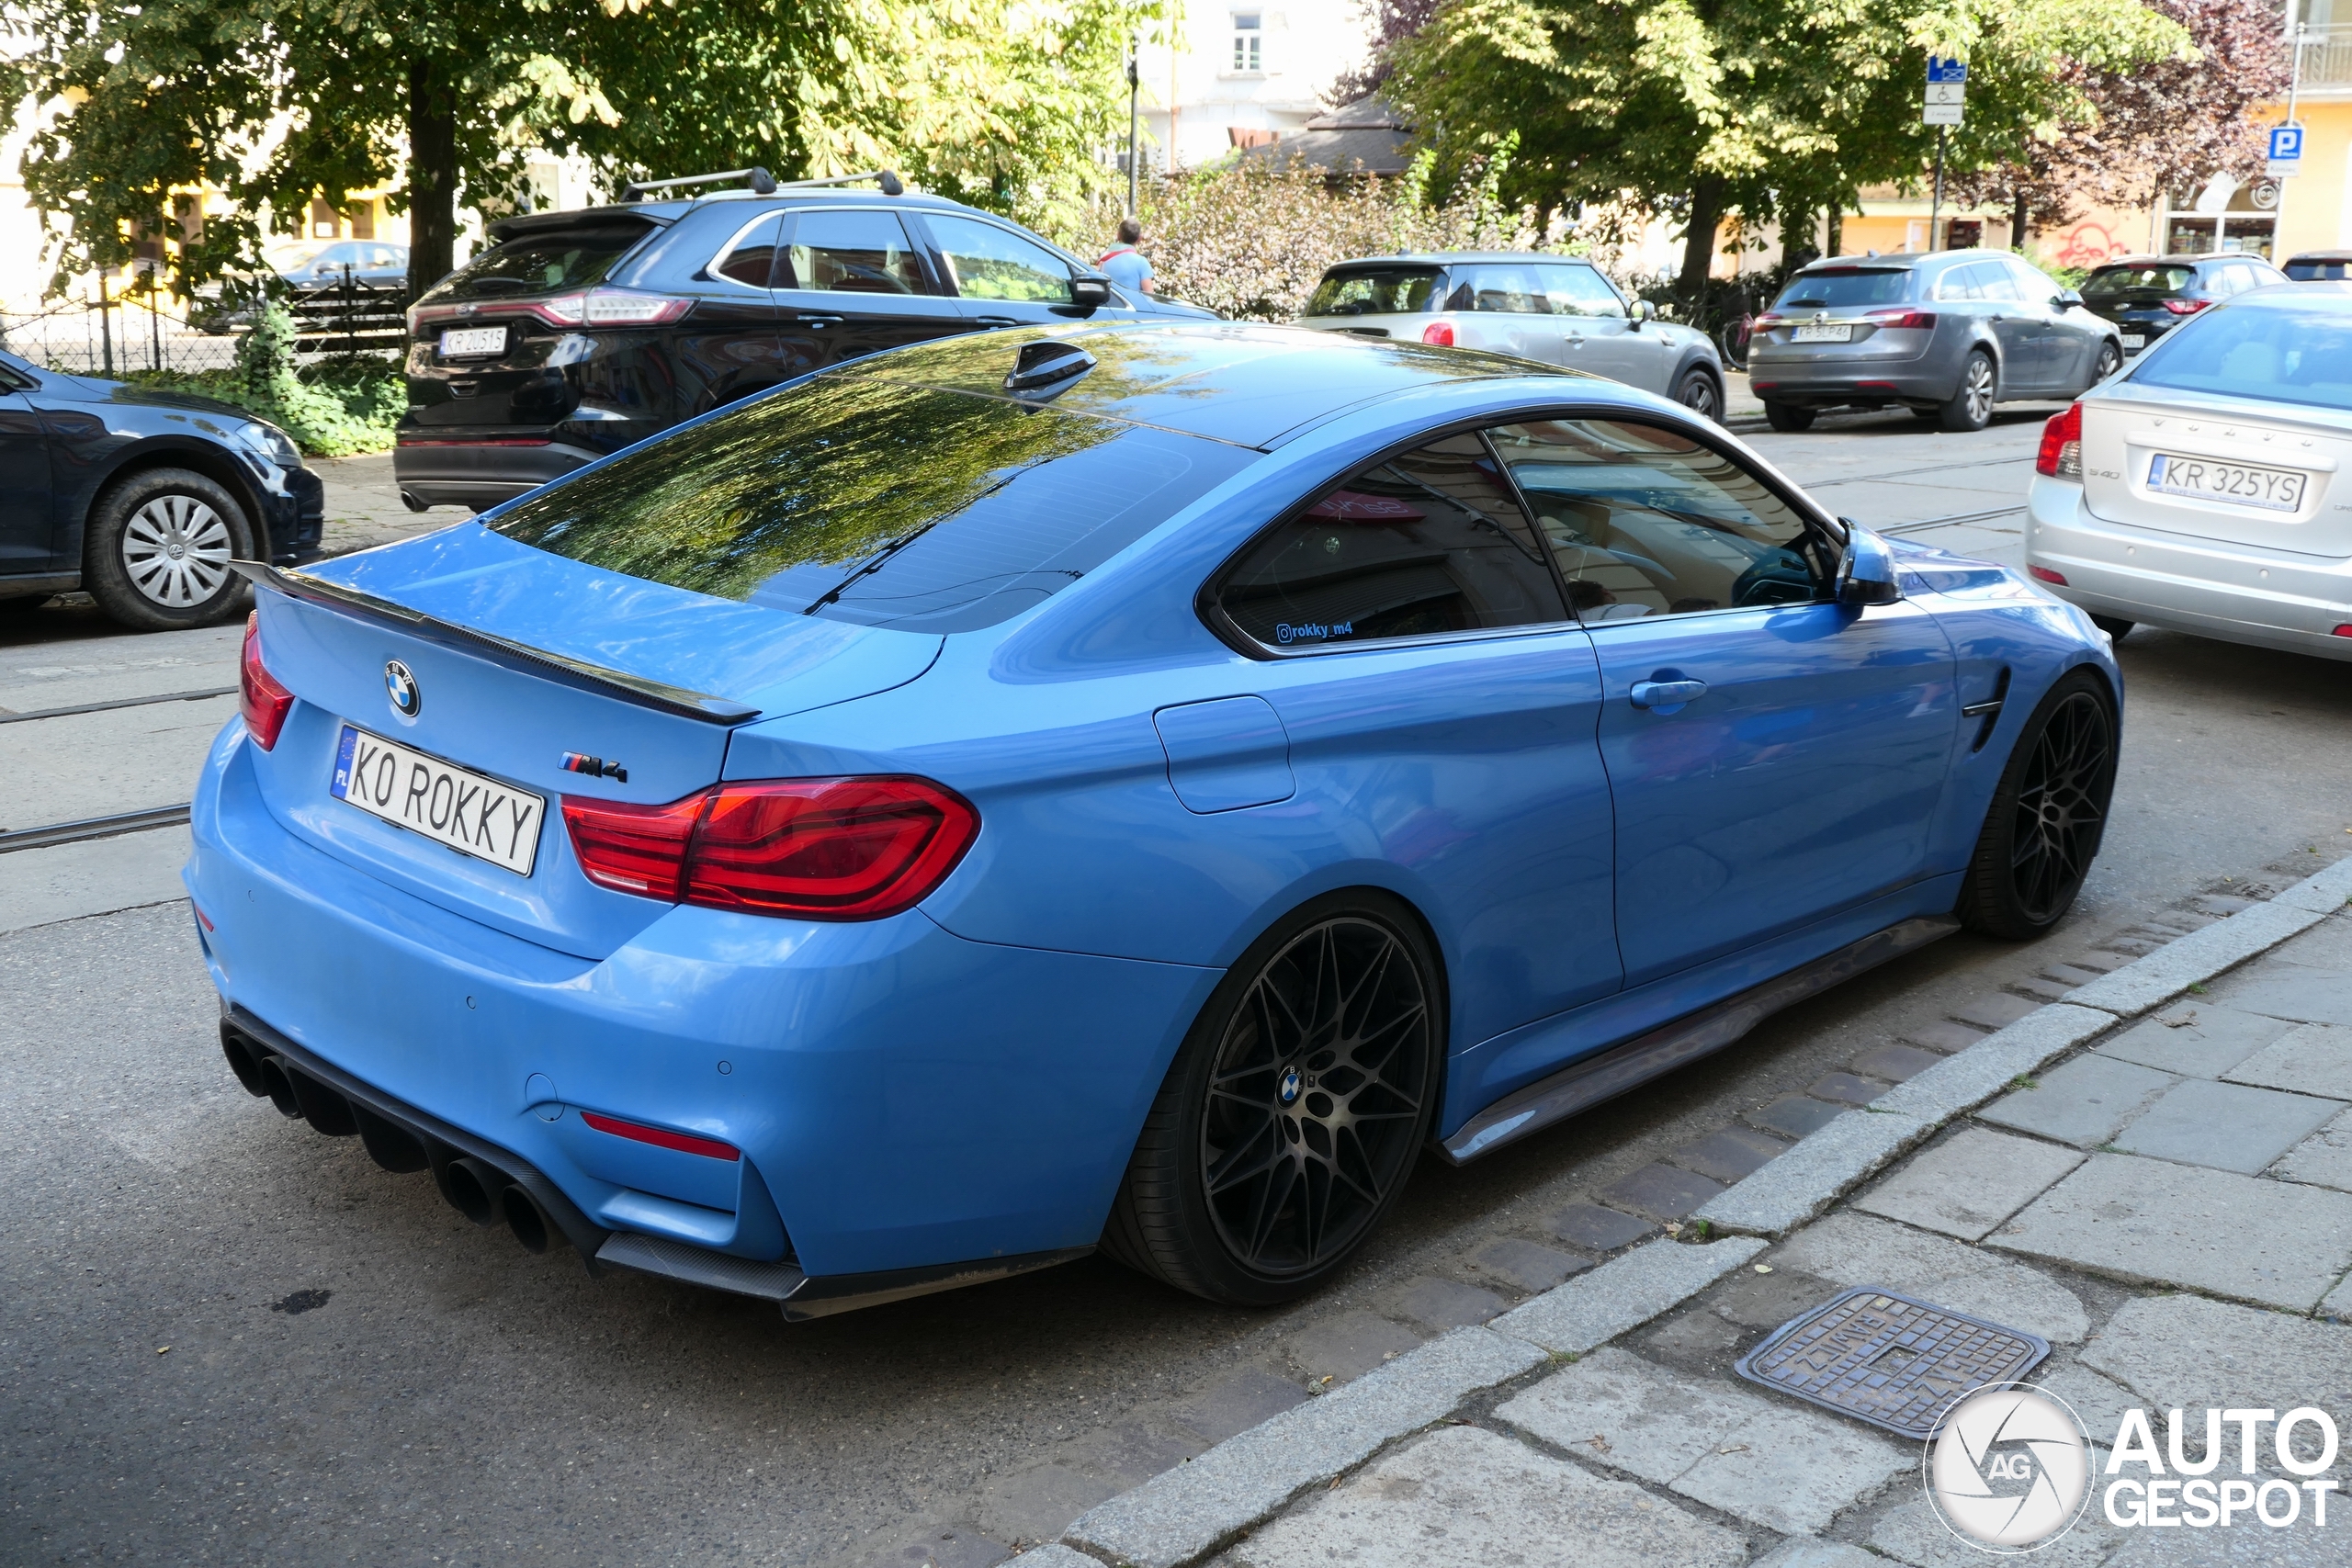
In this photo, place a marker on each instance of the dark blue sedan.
(1129, 787)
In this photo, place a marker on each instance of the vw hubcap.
(177, 549)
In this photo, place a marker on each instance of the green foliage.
(343, 407)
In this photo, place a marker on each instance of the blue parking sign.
(1946, 70)
(2285, 144)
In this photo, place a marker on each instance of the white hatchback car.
(1553, 309)
(2208, 489)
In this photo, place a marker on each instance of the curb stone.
(1622, 1293)
(1185, 1513)
(1056, 1555)
(2325, 891)
(2148, 982)
(1963, 1082)
(1798, 1185)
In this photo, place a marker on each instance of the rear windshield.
(1839, 286)
(2304, 271)
(2109, 281)
(859, 500)
(540, 264)
(1375, 291)
(2289, 354)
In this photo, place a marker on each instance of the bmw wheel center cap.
(401, 686)
(1286, 1086)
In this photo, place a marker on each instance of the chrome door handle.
(997, 320)
(817, 320)
(1667, 693)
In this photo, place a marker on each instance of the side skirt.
(1609, 1073)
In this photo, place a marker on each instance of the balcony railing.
(2327, 56)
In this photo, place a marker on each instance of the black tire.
(2110, 360)
(1787, 416)
(1700, 393)
(1971, 406)
(2116, 630)
(1245, 1196)
(128, 564)
(2043, 828)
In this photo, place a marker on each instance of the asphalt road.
(229, 1339)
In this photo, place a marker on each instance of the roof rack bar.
(760, 181)
(886, 178)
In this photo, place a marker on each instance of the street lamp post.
(1135, 92)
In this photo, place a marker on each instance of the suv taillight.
(850, 848)
(2186, 307)
(595, 307)
(260, 698)
(2061, 457)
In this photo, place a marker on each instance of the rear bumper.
(452, 471)
(2268, 598)
(1811, 381)
(907, 1103)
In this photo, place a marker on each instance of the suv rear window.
(1373, 291)
(541, 263)
(2317, 269)
(859, 500)
(1840, 287)
(2109, 281)
(2279, 353)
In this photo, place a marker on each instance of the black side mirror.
(1091, 289)
(1866, 574)
(2065, 299)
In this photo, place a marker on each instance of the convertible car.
(1133, 786)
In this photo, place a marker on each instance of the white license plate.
(1841, 331)
(449, 805)
(2274, 490)
(2135, 340)
(460, 343)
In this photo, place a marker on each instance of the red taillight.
(1887, 320)
(2061, 457)
(854, 849)
(2186, 307)
(1439, 333)
(709, 1148)
(1767, 322)
(2343, 631)
(2044, 574)
(260, 698)
(596, 308)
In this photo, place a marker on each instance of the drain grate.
(1889, 1360)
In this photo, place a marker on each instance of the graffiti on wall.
(2087, 243)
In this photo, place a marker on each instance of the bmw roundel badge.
(401, 686)
(1286, 1086)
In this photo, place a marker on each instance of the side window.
(2033, 284)
(1510, 290)
(1580, 291)
(1646, 522)
(1426, 543)
(751, 259)
(1994, 281)
(984, 261)
(1958, 283)
(851, 253)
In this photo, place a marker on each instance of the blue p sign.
(2285, 144)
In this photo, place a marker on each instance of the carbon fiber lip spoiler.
(555, 667)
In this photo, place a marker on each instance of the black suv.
(2146, 296)
(579, 332)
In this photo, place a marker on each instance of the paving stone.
(2081, 973)
(2189, 1353)
(1177, 1517)
(1347, 1345)
(2324, 1159)
(2337, 1305)
(1896, 1062)
(2196, 958)
(2098, 1401)
(1697, 1337)
(1804, 1551)
(1767, 1301)
(1623, 1293)
(2042, 989)
(1731, 1154)
(1528, 1266)
(1851, 1249)
(1913, 1534)
(2133, 947)
(2084, 1102)
(2195, 1040)
(1944, 1035)
(1795, 1116)
(1038, 1504)
(2219, 904)
(1238, 1402)
(1967, 1081)
(1995, 1010)
(1790, 1469)
(1845, 1089)
(2312, 1058)
(1054, 1555)
(2156, 1222)
(1598, 1229)
(2244, 1545)
(1810, 1177)
(2228, 1126)
(2325, 891)
(1463, 1497)
(1970, 1183)
(1130, 1453)
(1661, 1192)
(1437, 1304)
(2097, 963)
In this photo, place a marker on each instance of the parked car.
(579, 332)
(2319, 267)
(365, 264)
(2146, 296)
(1127, 786)
(1945, 333)
(2208, 490)
(1553, 309)
(141, 499)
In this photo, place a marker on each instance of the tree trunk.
(432, 176)
(2020, 218)
(1834, 241)
(1699, 239)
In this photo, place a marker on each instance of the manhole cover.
(1888, 1359)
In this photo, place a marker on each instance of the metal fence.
(104, 333)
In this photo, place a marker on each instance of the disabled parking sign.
(2286, 152)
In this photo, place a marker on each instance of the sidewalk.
(2153, 1173)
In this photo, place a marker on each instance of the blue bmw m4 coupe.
(1128, 786)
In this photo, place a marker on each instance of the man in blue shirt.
(1127, 266)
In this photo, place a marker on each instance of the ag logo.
(2010, 1470)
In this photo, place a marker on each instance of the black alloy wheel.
(1698, 392)
(2048, 814)
(1293, 1113)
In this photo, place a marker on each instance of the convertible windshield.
(859, 500)
(2299, 354)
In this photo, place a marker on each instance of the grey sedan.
(1946, 334)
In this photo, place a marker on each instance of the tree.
(1699, 108)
